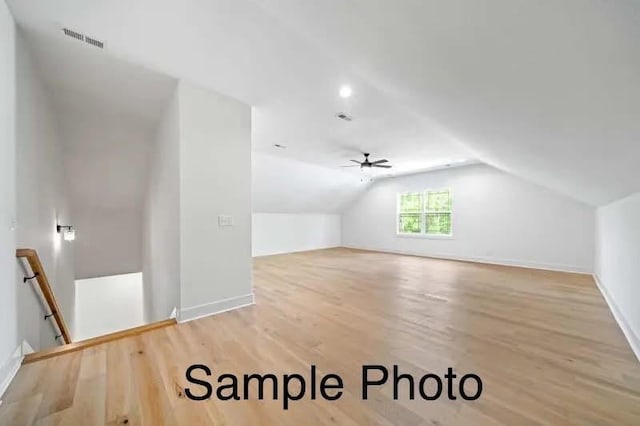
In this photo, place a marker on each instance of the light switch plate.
(225, 220)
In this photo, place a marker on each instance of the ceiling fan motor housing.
(368, 164)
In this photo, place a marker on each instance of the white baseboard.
(217, 307)
(484, 259)
(298, 250)
(9, 370)
(632, 338)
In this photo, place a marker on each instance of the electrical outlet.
(225, 220)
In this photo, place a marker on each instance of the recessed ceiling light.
(345, 91)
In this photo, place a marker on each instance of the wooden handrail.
(34, 262)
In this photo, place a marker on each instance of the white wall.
(215, 179)
(285, 233)
(106, 160)
(285, 185)
(161, 220)
(41, 202)
(8, 305)
(108, 242)
(108, 304)
(297, 205)
(618, 262)
(496, 218)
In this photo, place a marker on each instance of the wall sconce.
(68, 233)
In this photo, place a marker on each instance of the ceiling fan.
(369, 164)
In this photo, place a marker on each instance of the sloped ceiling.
(549, 91)
(282, 185)
(107, 111)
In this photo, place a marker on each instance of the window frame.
(423, 215)
(420, 213)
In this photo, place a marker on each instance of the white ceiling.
(549, 91)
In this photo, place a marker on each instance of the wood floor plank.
(30, 383)
(88, 404)
(545, 344)
(151, 397)
(121, 404)
(58, 384)
(22, 412)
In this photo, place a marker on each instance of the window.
(411, 209)
(438, 212)
(427, 213)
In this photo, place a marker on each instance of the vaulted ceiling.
(549, 91)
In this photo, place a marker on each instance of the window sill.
(427, 236)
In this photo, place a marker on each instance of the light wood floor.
(546, 346)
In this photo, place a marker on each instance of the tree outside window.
(427, 212)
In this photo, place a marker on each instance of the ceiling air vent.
(78, 36)
(73, 34)
(344, 116)
(95, 42)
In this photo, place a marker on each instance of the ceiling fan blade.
(379, 161)
(381, 166)
(354, 161)
(350, 166)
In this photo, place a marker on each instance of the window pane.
(411, 203)
(438, 223)
(439, 201)
(410, 223)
